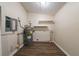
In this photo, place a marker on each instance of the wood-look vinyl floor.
(40, 49)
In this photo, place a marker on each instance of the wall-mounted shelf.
(46, 22)
(40, 28)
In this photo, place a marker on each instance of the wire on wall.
(20, 23)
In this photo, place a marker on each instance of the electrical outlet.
(37, 39)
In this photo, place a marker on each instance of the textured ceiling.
(36, 7)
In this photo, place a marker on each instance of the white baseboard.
(62, 49)
(16, 50)
(13, 52)
(21, 46)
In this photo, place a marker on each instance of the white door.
(41, 36)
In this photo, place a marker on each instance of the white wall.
(0, 43)
(67, 28)
(0, 32)
(0, 39)
(35, 18)
(41, 35)
(9, 39)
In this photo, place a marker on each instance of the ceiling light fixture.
(44, 4)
